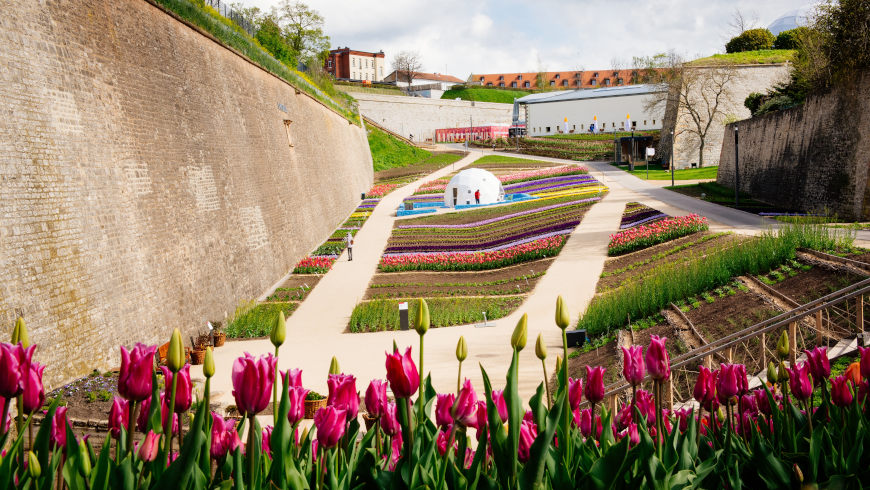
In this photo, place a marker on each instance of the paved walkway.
(316, 331)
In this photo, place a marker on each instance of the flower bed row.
(383, 314)
(380, 190)
(439, 185)
(320, 264)
(636, 214)
(644, 236)
(501, 218)
(464, 261)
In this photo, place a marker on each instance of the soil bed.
(296, 288)
(815, 283)
(89, 397)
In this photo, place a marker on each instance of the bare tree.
(742, 22)
(407, 66)
(698, 95)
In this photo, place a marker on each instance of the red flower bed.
(463, 261)
(314, 265)
(654, 233)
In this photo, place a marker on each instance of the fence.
(224, 8)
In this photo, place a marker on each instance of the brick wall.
(813, 157)
(146, 179)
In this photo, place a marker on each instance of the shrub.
(789, 39)
(753, 102)
(750, 40)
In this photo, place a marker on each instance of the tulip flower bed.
(383, 314)
(467, 261)
(636, 214)
(547, 174)
(665, 230)
(779, 436)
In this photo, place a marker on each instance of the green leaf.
(609, 467)
(533, 472)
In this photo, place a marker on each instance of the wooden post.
(612, 404)
(859, 315)
(819, 328)
(708, 361)
(671, 393)
(792, 343)
(730, 355)
(764, 350)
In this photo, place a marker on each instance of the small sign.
(403, 305)
(650, 151)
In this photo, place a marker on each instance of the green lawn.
(483, 94)
(656, 172)
(506, 159)
(724, 196)
(390, 152)
(759, 57)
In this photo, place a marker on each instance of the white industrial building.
(601, 110)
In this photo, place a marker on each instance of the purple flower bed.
(637, 214)
(537, 187)
(493, 249)
(534, 234)
(499, 218)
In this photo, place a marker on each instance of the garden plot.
(642, 227)
(511, 245)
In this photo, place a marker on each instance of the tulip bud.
(208, 363)
(782, 346)
(279, 330)
(782, 373)
(540, 348)
(518, 338)
(333, 366)
(84, 458)
(422, 323)
(558, 364)
(798, 473)
(175, 357)
(461, 349)
(562, 316)
(772, 372)
(19, 333)
(33, 465)
(395, 346)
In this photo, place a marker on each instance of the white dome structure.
(462, 186)
(791, 19)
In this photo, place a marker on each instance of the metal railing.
(224, 8)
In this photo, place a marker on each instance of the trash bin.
(576, 338)
(363, 196)
(409, 206)
(403, 315)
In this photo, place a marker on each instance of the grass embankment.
(673, 282)
(483, 94)
(256, 320)
(656, 172)
(228, 33)
(383, 314)
(391, 152)
(758, 57)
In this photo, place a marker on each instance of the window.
(501, 77)
(329, 63)
(548, 129)
(595, 75)
(574, 127)
(564, 83)
(644, 122)
(593, 82)
(489, 84)
(654, 122)
(519, 77)
(481, 79)
(552, 83)
(557, 76)
(581, 127)
(514, 84)
(619, 81)
(613, 125)
(501, 84)
(607, 82)
(287, 130)
(526, 84)
(577, 82)
(353, 62)
(633, 124)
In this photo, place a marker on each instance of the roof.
(577, 78)
(560, 96)
(439, 77)
(379, 54)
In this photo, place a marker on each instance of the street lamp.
(736, 170)
(672, 158)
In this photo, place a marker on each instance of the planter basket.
(219, 339)
(197, 356)
(312, 406)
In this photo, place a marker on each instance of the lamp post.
(672, 158)
(736, 170)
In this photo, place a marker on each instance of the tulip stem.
(378, 434)
(134, 406)
(169, 418)
(459, 379)
(251, 445)
(3, 416)
(275, 392)
(546, 384)
(809, 406)
(20, 424)
(422, 382)
(566, 410)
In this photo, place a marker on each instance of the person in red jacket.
(477, 196)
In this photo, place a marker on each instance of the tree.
(303, 31)
(741, 22)
(750, 40)
(698, 95)
(271, 36)
(407, 66)
(789, 39)
(652, 69)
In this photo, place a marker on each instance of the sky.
(460, 37)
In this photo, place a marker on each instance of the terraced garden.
(479, 260)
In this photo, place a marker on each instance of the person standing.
(477, 196)
(349, 240)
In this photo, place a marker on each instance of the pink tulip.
(481, 415)
(799, 381)
(183, 388)
(224, 437)
(658, 363)
(34, 391)
(57, 437)
(330, 422)
(646, 404)
(390, 422)
(266, 442)
(865, 361)
(841, 391)
(295, 376)
(528, 433)
(820, 366)
(575, 392)
(500, 403)
(465, 407)
(376, 398)
(742, 380)
(682, 416)
(632, 364)
(402, 374)
(150, 445)
(705, 387)
(761, 401)
(583, 420)
(137, 366)
(15, 366)
(119, 416)
(296, 399)
(343, 394)
(443, 408)
(142, 420)
(252, 382)
(632, 434)
(749, 403)
(395, 452)
(594, 384)
(727, 384)
(441, 442)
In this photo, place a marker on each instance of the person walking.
(477, 196)
(349, 240)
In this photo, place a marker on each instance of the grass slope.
(759, 57)
(390, 152)
(484, 94)
(657, 173)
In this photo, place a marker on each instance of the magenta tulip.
(865, 361)
(376, 398)
(799, 381)
(682, 416)
(500, 403)
(633, 436)
(266, 442)
(57, 436)
(443, 409)
(119, 416)
(820, 366)
(295, 376)
(15, 366)
(343, 394)
(727, 383)
(705, 387)
(390, 422)
(402, 374)
(465, 407)
(658, 363)
(594, 390)
(645, 402)
(841, 391)
(749, 403)
(34, 391)
(330, 422)
(150, 445)
(183, 388)
(585, 421)
(441, 442)
(224, 437)
(575, 392)
(742, 380)
(761, 401)
(528, 433)
(252, 383)
(142, 420)
(481, 415)
(632, 364)
(296, 399)
(137, 366)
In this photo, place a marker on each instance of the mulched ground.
(104, 388)
(607, 356)
(815, 283)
